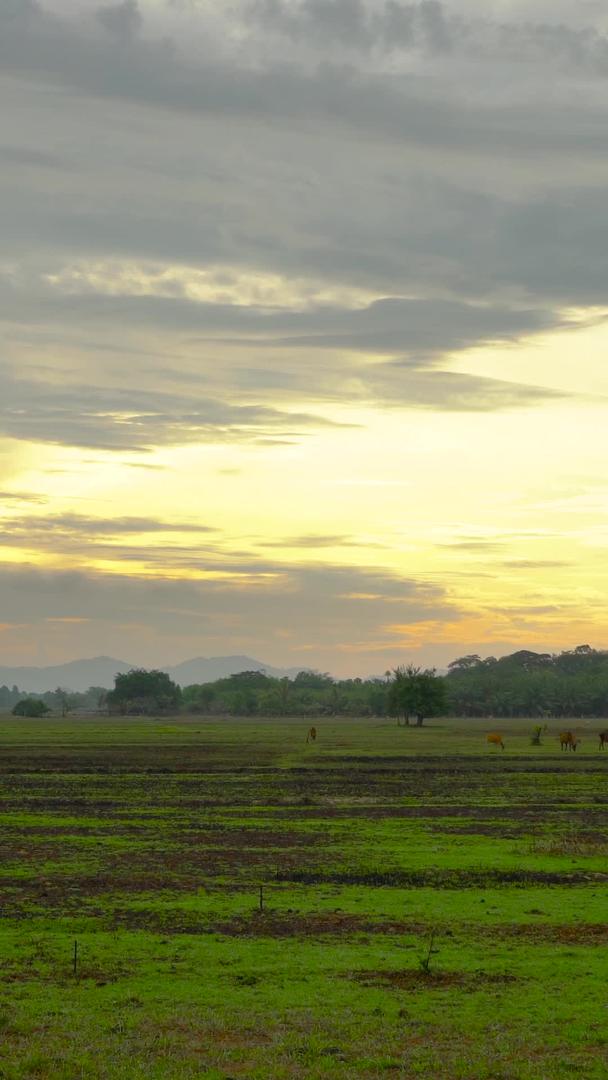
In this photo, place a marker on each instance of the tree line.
(525, 683)
(52, 701)
(570, 683)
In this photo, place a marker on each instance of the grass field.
(432, 907)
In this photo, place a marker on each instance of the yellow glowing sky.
(282, 376)
(504, 511)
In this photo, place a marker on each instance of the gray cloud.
(21, 497)
(460, 264)
(24, 156)
(474, 545)
(314, 541)
(533, 609)
(534, 564)
(433, 27)
(81, 526)
(191, 400)
(403, 386)
(316, 21)
(137, 420)
(129, 541)
(153, 73)
(420, 327)
(134, 419)
(121, 20)
(286, 609)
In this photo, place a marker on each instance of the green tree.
(141, 691)
(284, 688)
(465, 663)
(414, 692)
(96, 697)
(199, 697)
(572, 683)
(31, 706)
(313, 680)
(64, 701)
(9, 697)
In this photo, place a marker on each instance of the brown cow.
(311, 735)
(568, 741)
(603, 739)
(496, 740)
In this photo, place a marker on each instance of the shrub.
(30, 706)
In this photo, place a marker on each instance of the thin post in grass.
(425, 961)
(75, 959)
(261, 897)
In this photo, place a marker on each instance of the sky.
(304, 328)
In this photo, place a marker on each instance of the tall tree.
(414, 692)
(31, 706)
(141, 691)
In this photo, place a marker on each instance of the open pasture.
(431, 906)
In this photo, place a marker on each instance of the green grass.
(146, 842)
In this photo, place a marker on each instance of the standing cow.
(568, 741)
(494, 739)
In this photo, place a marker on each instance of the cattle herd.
(568, 740)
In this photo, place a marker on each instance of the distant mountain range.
(100, 671)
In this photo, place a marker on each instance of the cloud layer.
(182, 135)
(266, 226)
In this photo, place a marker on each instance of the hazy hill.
(75, 675)
(100, 671)
(207, 669)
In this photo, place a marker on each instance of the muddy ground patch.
(421, 981)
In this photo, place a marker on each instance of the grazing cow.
(496, 740)
(311, 735)
(568, 741)
(603, 739)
